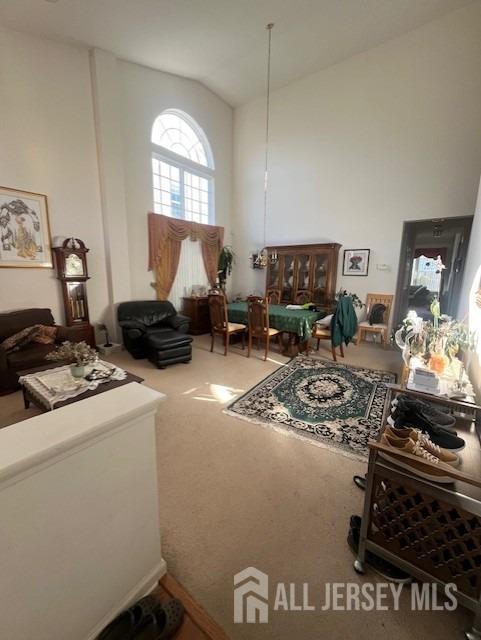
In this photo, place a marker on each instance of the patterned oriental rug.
(330, 404)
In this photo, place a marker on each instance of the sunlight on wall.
(475, 311)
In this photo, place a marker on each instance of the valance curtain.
(165, 239)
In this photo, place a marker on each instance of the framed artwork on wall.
(24, 229)
(356, 262)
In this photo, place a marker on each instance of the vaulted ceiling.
(222, 43)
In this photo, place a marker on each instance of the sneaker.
(404, 417)
(384, 568)
(415, 459)
(441, 418)
(360, 481)
(443, 454)
(427, 412)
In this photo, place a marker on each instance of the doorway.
(433, 255)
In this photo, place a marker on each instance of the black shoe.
(422, 414)
(167, 619)
(383, 567)
(128, 623)
(360, 481)
(443, 438)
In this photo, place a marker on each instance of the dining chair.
(219, 321)
(381, 328)
(273, 297)
(302, 297)
(258, 323)
(323, 332)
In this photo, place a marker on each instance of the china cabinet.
(303, 273)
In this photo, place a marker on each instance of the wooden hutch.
(303, 273)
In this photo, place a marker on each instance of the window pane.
(173, 132)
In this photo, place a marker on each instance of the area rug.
(330, 404)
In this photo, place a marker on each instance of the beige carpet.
(235, 494)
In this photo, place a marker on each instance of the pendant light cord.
(268, 98)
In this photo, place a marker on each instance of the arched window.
(182, 168)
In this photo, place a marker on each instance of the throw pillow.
(46, 335)
(326, 321)
(21, 338)
(377, 314)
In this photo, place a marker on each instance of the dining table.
(295, 322)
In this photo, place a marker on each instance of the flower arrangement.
(356, 300)
(79, 352)
(435, 342)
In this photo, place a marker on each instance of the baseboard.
(143, 587)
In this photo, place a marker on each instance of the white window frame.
(186, 164)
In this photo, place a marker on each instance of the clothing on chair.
(344, 322)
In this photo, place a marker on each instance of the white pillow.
(325, 322)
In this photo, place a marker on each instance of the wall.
(471, 284)
(145, 94)
(392, 134)
(48, 146)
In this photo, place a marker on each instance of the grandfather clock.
(71, 264)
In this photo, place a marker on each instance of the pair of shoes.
(147, 619)
(383, 567)
(437, 424)
(405, 433)
(416, 458)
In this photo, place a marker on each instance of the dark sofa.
(31, 355)
(153, 329)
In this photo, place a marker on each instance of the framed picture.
(24, 229)
(356, 262)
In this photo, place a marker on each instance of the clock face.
(74, 265)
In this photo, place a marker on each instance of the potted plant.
(224, 265)
(79, 353)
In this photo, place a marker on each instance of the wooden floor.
(197, 624)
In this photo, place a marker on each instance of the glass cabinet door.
(287, 283)
(319, 278)
(303, 268)
(273, 275)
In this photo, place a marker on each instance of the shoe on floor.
(166, 621)
(384, 568)
(415, 459)
(360, 481)
(443, 454)
(128, 623)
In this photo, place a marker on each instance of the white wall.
(471, 284)
(389, 135)
(48, 146)
(146, 93)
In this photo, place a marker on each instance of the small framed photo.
(24, 229)
(356, 262)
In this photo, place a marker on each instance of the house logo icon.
(251, 592)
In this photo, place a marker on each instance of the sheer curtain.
(191, 271)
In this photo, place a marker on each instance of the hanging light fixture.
(261, 259)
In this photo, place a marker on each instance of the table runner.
(298, 321)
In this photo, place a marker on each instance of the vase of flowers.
(79, 354)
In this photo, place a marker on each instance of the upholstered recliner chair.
(153, 329)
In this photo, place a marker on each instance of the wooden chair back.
(258, 316)
(379, 298)
(218, 312)
(302, 297)
(273, 297)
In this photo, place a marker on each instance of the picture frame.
(25, 240)
(356, 262)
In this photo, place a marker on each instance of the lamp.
(261, 259)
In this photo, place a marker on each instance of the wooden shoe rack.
(430, 530)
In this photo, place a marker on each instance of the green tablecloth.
(296, 321)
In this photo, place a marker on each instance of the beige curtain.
(165, 238)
